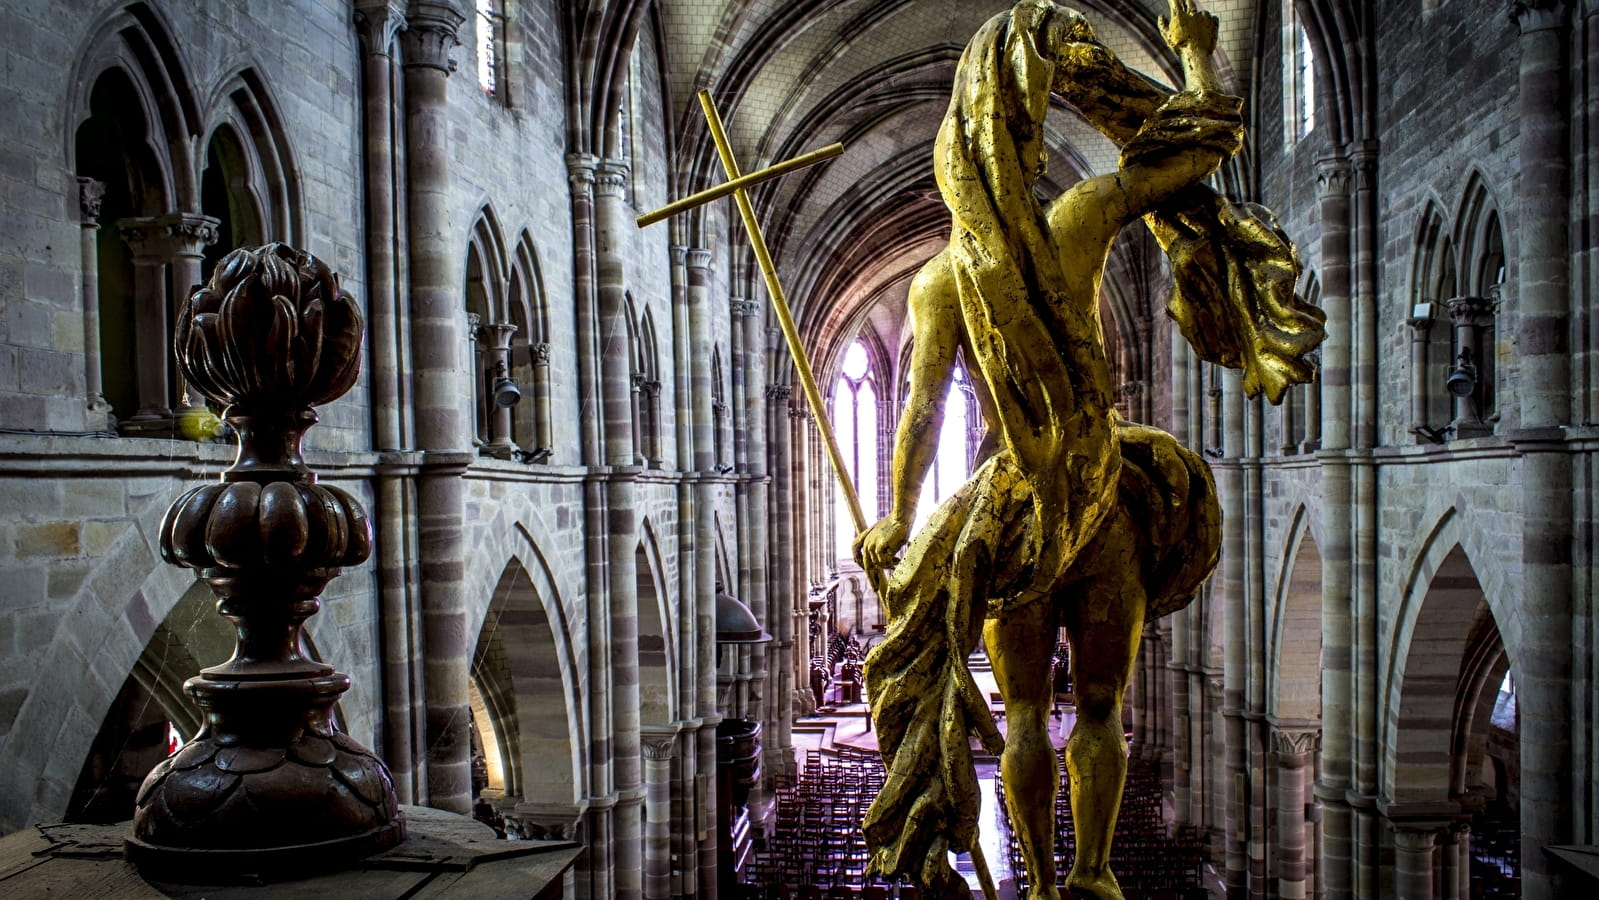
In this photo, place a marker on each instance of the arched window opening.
(719, 414)
(489, 332)
(225, 195)
(1432, 355)
(1301, 408)
(490, 23)
(529, 358)
(855, 423)
(1475, 314)
(1299, 77)
(647, 394)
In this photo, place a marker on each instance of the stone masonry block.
(50, 539)
(99, 537)
(88, 498)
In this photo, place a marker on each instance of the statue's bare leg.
(1104, 619)
(1021, 643)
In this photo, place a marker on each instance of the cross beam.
(737, 185)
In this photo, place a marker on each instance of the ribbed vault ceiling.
(793, 75)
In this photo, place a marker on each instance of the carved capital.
(741, 307)
(541, 353)
(496, 335)
(658, 747)
(637, 379)
(1333, 177)
(90, 193)
(580, 171)
(652, 389)
(429, 37)
(377, 23)
(611, 178)
(1295, 742)
(169, 236)
(1131, 389)
(698, 258)
(779, 392)
(1537, 15)
(1474, 311)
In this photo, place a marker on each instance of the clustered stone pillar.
(1338, 723)
(1543, 672)
(658, 750)
(436, 342)
(698, 267)
(1295, 751)
(1230, 485)
(786, 596)
(612, 228)
(379, 23)
(1413, 861)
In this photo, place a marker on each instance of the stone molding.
(90, 194)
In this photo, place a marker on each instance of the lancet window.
(856, 425)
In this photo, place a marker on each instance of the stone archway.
(1448, 668)
(1294, 698)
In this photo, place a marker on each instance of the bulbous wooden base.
(269, 788)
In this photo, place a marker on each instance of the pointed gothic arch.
(1294, 653)
(657, 665)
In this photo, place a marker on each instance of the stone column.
(495, 337)
(613, 232)
(378, 23)
(697, 263)
(1295, 751)
(1544, 676)
(1312, 441)
(1470, 315)
(784, 597)
(90, 193)
(436, 342)
(1420, 324)
(152, 326)
(544, 415)
(1413, 858)
(188, 234)
(1338, 724)
(1230, 485)
(658, 750)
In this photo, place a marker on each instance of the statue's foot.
(1043, 892)
(1102, 886)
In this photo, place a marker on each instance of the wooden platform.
(445, 857)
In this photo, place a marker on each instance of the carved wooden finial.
(269, 786)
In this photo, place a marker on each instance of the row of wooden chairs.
(817, 842)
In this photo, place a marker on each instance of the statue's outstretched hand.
(1188, 28)
(878, 547)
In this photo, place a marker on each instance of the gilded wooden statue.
(1075, 518)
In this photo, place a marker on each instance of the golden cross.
(737, 185)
